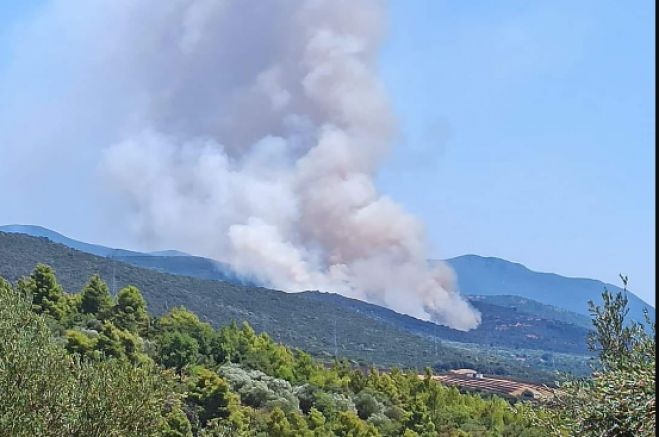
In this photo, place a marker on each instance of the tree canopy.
(619, 398)
(88, 364)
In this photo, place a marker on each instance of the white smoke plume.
(250, 132)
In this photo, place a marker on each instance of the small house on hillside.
(470, 373)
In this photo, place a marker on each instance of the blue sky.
(526, 131)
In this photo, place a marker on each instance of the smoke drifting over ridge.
(250, 132)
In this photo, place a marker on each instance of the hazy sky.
(526, 132)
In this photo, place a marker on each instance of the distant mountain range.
(478, 275)
(532, 323)
(508, 342)
(94, 249)
(488, 280)
(168, 261)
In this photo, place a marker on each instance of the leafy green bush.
(619, 398)
(47, 392)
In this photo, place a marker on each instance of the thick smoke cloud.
(250, 132)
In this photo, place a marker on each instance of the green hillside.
(532, 307)
(96, 365)
(293, 319)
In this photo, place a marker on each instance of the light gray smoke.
(250, 132)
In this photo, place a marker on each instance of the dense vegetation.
(619, 398)
(92, 364)
(500, 326)
(46, 391)
(313, 321)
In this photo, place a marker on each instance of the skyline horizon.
(156, 250)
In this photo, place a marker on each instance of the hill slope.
(300, 320)
(508, 321)
(492, 280)
(533, 307)
(168, 261)
(500, 327)
(479, 275)
(94, 249)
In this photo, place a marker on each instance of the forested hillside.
(533, 307)
(94, 364)
(299, 320)
(500, 326)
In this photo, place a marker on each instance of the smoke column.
(250, 132)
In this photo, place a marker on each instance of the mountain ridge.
(479, 275)
(476, 275)
(365, 332)
(94, 249)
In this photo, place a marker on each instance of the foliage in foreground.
(92, 364)
(619, 398)
(46, 392)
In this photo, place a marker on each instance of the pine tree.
(177, 350)
(95, 297)
(130, 311)
(47, 294)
